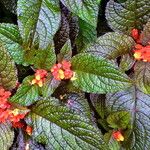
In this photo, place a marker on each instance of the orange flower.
(29, 130)
(135, 34)
(40, 77)
(118, 136)
(62, 70)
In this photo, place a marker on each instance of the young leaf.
(61, 128)
(97, 75)
(38, 20)
(127, 15)
(10, 37)
(8, 72)
(126, 62)
(119, 119)
(26, 94)
(86, 10)
(111, 45)
(142, 76)
(45, 59)
(87, 34)
(138, 104)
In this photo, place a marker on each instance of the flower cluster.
(140, 52)
(62, 70)
(6, 111)
(117, 135)
(40, 77)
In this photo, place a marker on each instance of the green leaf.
(65, 52)
(142, 76)
(26, 93)
(8, 72)
(10, 37)
(86, 10)
(126, 62)
(128, 15)
(45, 59)
(145, 35)
(61, 128)
(38, 21)
(119, 120)
(6, 136)
(138, 104)
(111, 45)
(49, 86)
(87, 34)
(97, 75)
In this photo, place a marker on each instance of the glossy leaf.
(61, 128)
(38, 21)
(8, 72)
(87, 34)
(10, 37)
(138, 104)
(86, 10)
(111, 45)
(6, 136)
(97, 75)
(26, 93)
(127, 15)
(142, 76)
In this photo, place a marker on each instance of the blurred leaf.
(142, 76)
(87, 34)
(60, 128)
(127, 15)
(86, 10)
(26, 93)
(145, 35)
(10, 5)
(97, 75)
(6, 136)
(119, 120)
(10, 37)
(8, 72)
(138, 104)
(38, 21)
(126, 62)
(111, 45)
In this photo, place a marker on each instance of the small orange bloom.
(29, 130)
(135, 34)
(62, 70)
(118, 136)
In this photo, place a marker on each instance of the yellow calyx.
(15, 112)
(61, 74)
(40, 83)
(38, 77)
(33, 81)
(137, 55)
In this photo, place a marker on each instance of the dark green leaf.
(127, 15)
(138, 104)
(119, 120)
(27, 93)
(87, 34)
(86, 10)
(61, 128)
(126, 62)
(142, 76)
(38, 21)
(6, 136)
(111, 45)
(10, 37)
(8, 72)
(97, 75)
